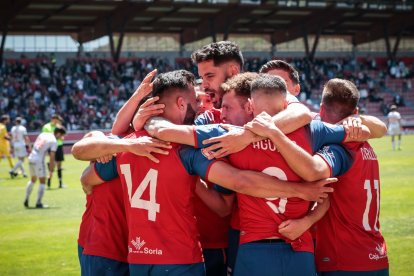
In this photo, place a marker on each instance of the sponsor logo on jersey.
(380, 254)
(138, 248)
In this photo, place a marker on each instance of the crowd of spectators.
(88, 92)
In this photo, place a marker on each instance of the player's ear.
(356, 111)
(248, 106)
(181, 104)
(296, 90)
(233, 69)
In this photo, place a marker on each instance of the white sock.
(17, 165)
(29, 189)
(22, 168)
(40, 193)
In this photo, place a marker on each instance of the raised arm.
(127, 111)
(91, 148)
(163, 129)
(296, 115)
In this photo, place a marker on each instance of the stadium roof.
(283, 20)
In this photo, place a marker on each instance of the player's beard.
(189, 115)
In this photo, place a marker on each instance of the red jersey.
(86, 222)
(260, 218)
(108, 234)
(159, 203)
(214, 230)
(348, 236)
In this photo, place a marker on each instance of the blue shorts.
(382, 272)
(268, 259)
(95, 265)
(196, 269)
(81, 261)
(234, 239)
(215, 260)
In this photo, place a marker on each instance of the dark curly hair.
(178, 79)
(219, 52)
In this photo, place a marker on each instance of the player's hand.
(317, 190)
(105, 159)
(353, 127)
(261, 125)
(147, 110)
(234, 140)
(294, 228)
(145, 87)
(146, 146)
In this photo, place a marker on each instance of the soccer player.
(394, 126)
(44, 142)
(21, 143)
(204, 102)
(103, 233)
(4, 140)
(148, 247)
(59, 155)
(356, 247)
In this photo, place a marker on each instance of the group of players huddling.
(246, 187)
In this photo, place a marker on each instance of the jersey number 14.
(135, 200)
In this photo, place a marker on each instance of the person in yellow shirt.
(5, 140)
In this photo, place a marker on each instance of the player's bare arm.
(310, 168)
(262, 185)
(294, 228)
(126, 113)
(51, 163)
(89, 179)
(163, 129)
(91, 148)
(295, 116)
(377, 127)
(219, 203)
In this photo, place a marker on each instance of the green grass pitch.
(43, 242)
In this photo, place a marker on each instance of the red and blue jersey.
(348, 237)
(212, 116)
(159, 204)
(108, 233)
(260, 218)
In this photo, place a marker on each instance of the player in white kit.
(394, 126)
(44, 142)
(19, 140)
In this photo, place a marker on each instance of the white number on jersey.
(365, 218)
(135, 200)
(277, 172)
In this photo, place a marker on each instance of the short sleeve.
(194, 161)
(204, 132)
(53, 146)
(202, 119)
(107, 171)
(322, 134)
(337, 158)
(291, 99)
(223, 190)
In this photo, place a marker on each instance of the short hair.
(4, 118)
(281, 65)
(340, 98)
(60, 129)
(269, 84)
(18, 120)
(219, 52)
(178, 79)
(240, 83)
(56, 116)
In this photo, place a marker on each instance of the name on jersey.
(380, 254)
(138, 247)
(265, 145)
(368, 154)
